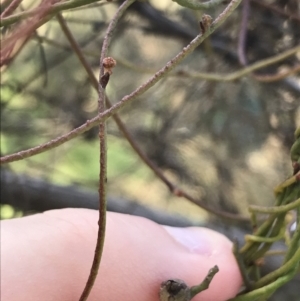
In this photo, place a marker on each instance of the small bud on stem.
(108, 64)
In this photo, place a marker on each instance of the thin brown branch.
(103, 155)
(125, 132)
(243, 33)
(128, 98)
(103, 116)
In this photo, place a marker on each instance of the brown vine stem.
(125, 132)
(128, 98)
(103, 156)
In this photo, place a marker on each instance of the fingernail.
(196, 240)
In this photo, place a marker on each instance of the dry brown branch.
(128, 98)
(126, 133)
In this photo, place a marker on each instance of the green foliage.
(273, 229)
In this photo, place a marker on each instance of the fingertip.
(205, 249)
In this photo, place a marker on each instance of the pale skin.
(48, 257)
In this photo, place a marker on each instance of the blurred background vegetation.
(225, 142)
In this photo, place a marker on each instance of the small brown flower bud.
(109, 63)
(207, 20)
(205, 23)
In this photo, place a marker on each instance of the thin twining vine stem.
(103, 116)
(128, 98)
(123, 129)
(103, 157)
(171, 186)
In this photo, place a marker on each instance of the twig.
(205, 283)
(103, 155)
(292, 180)
(263, 239)
(243, 33)
(172, 187)
(123, 129)
(91, 123)
(128, 98)
(261, 231)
